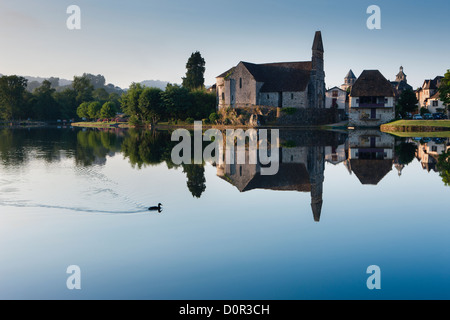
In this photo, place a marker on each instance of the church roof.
(283, 76)
(372, 83)
(318, 43)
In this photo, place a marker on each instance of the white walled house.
(335, 98)
(371, 100)
(434, 104)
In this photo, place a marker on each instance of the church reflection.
(301, 167)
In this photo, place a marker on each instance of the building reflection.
(370, 155)
(301, 167)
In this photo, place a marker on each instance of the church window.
(223, 96)
(292, 96)
(240, 83)
(268, 97)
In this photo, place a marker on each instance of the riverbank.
(416, 126)
(101, 125)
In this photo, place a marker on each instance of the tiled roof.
(372, 83)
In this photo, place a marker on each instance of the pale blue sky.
(135, 40)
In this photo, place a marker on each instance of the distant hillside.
(155, 84)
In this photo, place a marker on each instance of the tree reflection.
(444, 167)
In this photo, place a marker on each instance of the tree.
(177, 101)
(45, 106)
(83, 88)
(150, 104)
(444, 89)
(407, 102)
(12, 90)
(130, 101)
(67, 99)
(108, 110)
(94, 109)
(82, 110)
(203, 104)
(195, 72)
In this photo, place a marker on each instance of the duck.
(158, 208)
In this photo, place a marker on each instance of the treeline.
(45, 103)
(150, 105)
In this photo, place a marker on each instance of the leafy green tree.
(45, 106)
(203, 104)
(12, 90)
(177, 101)
(130, 101)
(150, 105)
(407, 102)
(108, 110)
(67, 99)
(444, 89)
(83, 88)
(82, 110)
(100, 95)
(195, 72)
(94, 109)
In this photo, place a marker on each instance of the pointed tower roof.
(317, 210)
(350, 75)
(318, 44)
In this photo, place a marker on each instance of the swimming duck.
(158, 208)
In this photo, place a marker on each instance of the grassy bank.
(100, 125)
(412, 126)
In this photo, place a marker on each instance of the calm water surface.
(340, 203)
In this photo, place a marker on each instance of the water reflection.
(370, 155)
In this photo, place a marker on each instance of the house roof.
(350, 75)
(283, 76)
(436, 96)
(432, 84)
(372, 83)
(335, 88)
(371, 172)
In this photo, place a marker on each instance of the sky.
(135, 40)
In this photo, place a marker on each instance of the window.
(434, 148)
(292, 96)
(223, 95)
(435, 103)
(268, 97)
(335, 94)
(386, 101)
(240, 83)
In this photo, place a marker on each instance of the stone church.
(283, 84)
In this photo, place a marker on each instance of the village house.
(371, 100)
(336, 98)
(434, 104)
(428, 90)
(285, 84)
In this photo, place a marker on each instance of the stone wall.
(308, 117)
(383, 116)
